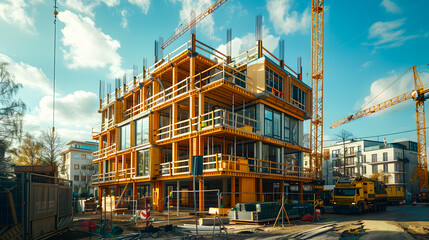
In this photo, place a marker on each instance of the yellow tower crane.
(316, 132)
(418, 95)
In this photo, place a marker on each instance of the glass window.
(143, 191)
(384, 156)
(272, 123)
(364, 170)
(76, 166)
(125, 137)
(76, 177)
(83, 178)
(287, 129)
(142, 131)
(374, 169)
(277, 125)
(374, 157)
(83, 156)
(273, 83)
(386, 167)
(143, 163)
(298, 97)
(359, 149)
(295, 132)
(364, 158)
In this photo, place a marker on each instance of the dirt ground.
(407, 222)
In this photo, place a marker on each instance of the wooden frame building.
(243, 114)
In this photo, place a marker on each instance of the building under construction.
(243, 114)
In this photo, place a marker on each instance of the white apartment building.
(393, 163)
(78, 158)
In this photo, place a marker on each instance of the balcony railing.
(216, 118)
(124, 174)
(105, 152)
(103, 127)
(222, 162)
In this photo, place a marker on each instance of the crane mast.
(316, 132)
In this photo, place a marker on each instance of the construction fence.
(34, 206)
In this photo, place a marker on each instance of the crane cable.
(55, 43)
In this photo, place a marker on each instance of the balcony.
(210, 120)
(105, 152)
(120, 175)
(228, 163)
(216, 73)
(103, 127)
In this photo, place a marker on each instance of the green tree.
(11, 113)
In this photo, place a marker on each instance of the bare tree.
(344, 135)
(11, 113)
(86, 172)
(51, 143)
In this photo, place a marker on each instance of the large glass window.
(270, 153)
(125, 137)
(294, 131)
(273, 83)
(143, 163)
(385, 157)
(374, 169)
(374, 157)
(142, 131)
(298, 97)
(291, 132)
(272, 123)
(287, 129)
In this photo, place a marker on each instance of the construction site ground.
(406, 222)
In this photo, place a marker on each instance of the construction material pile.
(267, 211)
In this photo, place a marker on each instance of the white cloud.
(75, 115)
(206, 25)
(388, 34)
(76, 110)
(85, 7)
(240, 45)
(143, 4)
(111, 3)
(378, 92)
(286, 22)
(124, 22)
(28, 75)
(13, 12)
(390, 6)
(367, 64)
(88, 46)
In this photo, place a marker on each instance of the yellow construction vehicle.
(395, 194)
(359, 194)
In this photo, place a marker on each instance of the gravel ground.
(405, 222)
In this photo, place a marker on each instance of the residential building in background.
(392, 163)
(78, 158)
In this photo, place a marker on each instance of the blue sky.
(367, 46)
